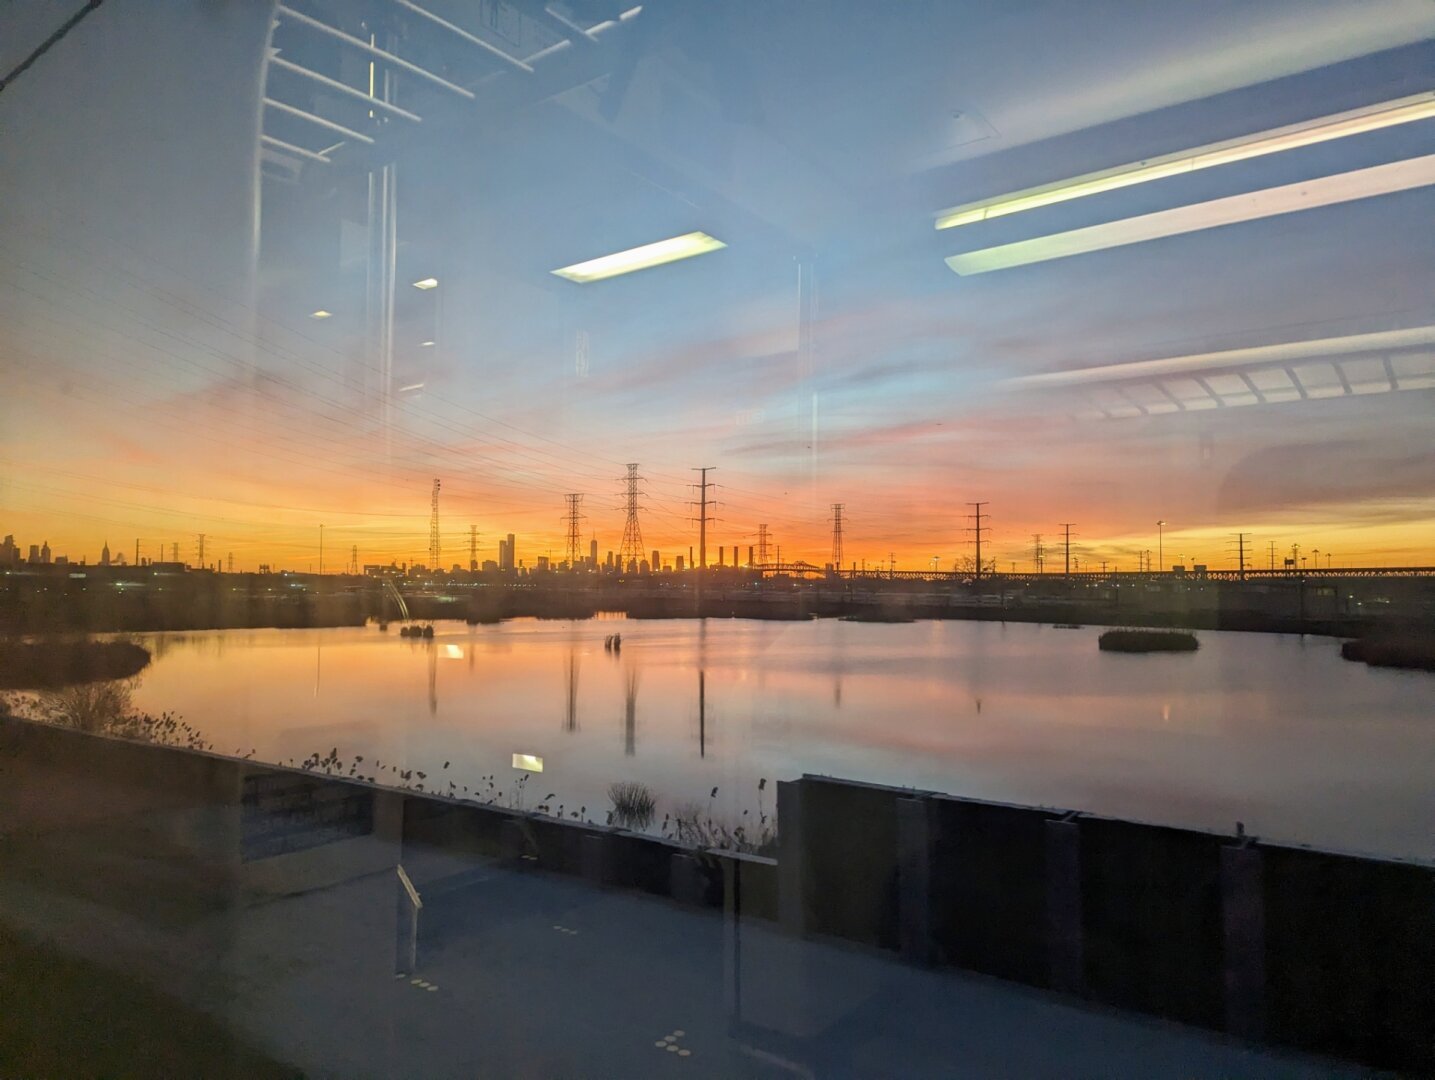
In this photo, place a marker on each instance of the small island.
(49, 665)
(1144, 641)
(1415, 653)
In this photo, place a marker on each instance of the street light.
(1160, 545)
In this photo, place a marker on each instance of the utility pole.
(703, 517)
(321, 550)
(891, 564)
(837, 537)
(762, 538)
(978, 529)
(174, 552)
(472, 548)
(1161, 545)
(1273, 555)
(703, 520)
(435, 556)
(1066, 525)
(137, 551)
(632, 547)
(1038, 553)
(1241, 538)
(575, 527)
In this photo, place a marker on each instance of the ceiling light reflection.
(1249, 206)
(641, 258)
(1339, 125)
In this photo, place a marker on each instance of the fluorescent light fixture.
(1279, 353)
(1307, 133)
(427, 283)
(641, 258)
(528, 762)
(425, 344)
(321, 314)
(411, 387)
(1251, 206)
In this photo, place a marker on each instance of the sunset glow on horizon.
(176, 367)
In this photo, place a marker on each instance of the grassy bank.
(1414, 653)
(49, 665)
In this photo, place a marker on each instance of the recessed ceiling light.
(641, 258)
(427, 283)
(1336, 126)
(425, 344)
(320, 314)
(1250, 206)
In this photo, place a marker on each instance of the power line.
(49, 43)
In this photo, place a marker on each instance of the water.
(1274, 731)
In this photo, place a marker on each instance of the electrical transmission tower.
(1240, 542)
(703, 517)
(354, 559)
(231, 562)
(575, 528)
(1038, 553)
(632, 549)
(435, 554)
(472, 548)
(762, 538)
(978, 529)
(1273, 555)
(1066, 545)
(199, 545)
(837, 536)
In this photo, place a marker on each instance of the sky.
(165, 379)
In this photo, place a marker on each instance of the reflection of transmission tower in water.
(632, 549)
(575, 527)
(570, 720)
(630, 713)
(837, 536)
(434, 552)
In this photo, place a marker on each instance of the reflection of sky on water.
(1270, 730)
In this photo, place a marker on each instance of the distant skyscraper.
(9, 552)
(593, 553)
(105, 554)
(503, 554)
(657, 561)
(45, 552)
(512, 554)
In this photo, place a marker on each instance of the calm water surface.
(1275, 731)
